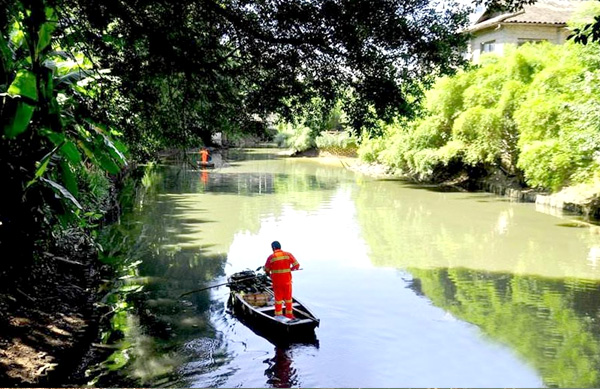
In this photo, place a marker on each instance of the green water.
(414, 287)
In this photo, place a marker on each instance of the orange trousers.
(283, 294)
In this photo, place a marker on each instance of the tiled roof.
(555, 12)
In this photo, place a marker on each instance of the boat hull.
(259, 316)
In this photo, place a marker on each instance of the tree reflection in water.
(280, 373)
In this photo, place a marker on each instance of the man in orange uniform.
(279, 266)
(204, 155)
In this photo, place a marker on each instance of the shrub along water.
(534, 113)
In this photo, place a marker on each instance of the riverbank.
(49, 314)
(48, 318)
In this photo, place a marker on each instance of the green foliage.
(74, 71)
(512, 97)
(19, 120)
(50, 135)
(247, 61)
(539, 118)
(547, 163)
(371, 148)
(585, 23)
(24, 85)
(337, 142)
(295, 137)
(584, 14)
(446, 99)
(478, 129)
(533, 113)
(314, 125)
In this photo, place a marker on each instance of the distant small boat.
(251, 299)
(206, 165)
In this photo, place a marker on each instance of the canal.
(414, 286)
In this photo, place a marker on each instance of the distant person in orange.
(279, 266)
(204, 155)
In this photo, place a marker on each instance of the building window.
(488, 47)
(522, 41)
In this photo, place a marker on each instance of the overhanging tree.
(166, 72)
(231, 61)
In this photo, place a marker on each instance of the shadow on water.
(156, 260)
(582, 222)
(573, 225)
(435, 188)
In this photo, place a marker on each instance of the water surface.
(414, 287)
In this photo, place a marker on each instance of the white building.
(545, 20)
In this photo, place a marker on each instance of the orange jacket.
(204, 155)
(279, 265)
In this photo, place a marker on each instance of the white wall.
(513, 34)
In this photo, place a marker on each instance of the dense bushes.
(318, 127)
(534, 112)
(337, 142)
(295, 137)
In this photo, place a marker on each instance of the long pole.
(215, 286)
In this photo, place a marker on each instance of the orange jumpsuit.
(204, 155)
(279, 266)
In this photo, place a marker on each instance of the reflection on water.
(157, 264)
(413, 287)
(446, 230)
(281, 372)
(551, 323)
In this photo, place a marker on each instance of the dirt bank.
(48, 318)
(49, 313)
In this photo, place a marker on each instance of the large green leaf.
(45, 33)
(86, 149)
(43, 165)
(24, 84)
(68, 148)
(19, 122)
(62, 54)
(54, 137)
(62, 191)
(106, 162)
(72, 77)
(114, 151)
(100, 149)
(115, 148)
(120, 146)
(70, 151)
(17, 37)
(5, 54)
(69, 178)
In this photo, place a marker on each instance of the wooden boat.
(206, 165)
(251, 299)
